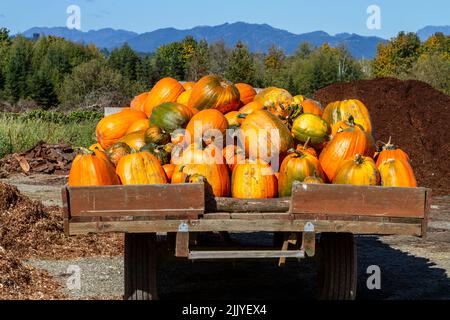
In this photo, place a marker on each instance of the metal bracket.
(309, 240)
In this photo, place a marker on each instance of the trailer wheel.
(140, 267)
(337, 267)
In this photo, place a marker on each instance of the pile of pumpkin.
(143, 144)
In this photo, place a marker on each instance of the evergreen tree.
(42, 89)
(198, 66)
(241, 66)
(170, 61)
(125, 60)
(17, 69)
(218, 58)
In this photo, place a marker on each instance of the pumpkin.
(233, 118)
(233, 156)
(92, 168)
(207, 126)
(188, 85)
(251, 107)
(138, 102)
(95, 147)
(114, 127)
(140, 168)
(305, 148)
(117, 151)
(213, 92)
(397, 173)
(179, 176)
(311, 106)
(169, 170)
(155, 135)
(344, 124)
(177, 137)
(184, 97)
(247, 93)
(171, 116)
(313, 180)
(390, 151)
(176, 154)
(158, 151)
(258, 131)
(211, 165)
(140, 125)
(253, 180)
(310, 127)
(276, 100)
(342, 110)
(359, 171)
(296, 167)
(344, 146)
(165, 90)
(298, 99)
(135, 140)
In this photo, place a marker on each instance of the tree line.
(52, 72)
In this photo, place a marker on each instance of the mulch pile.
(19, 282)
(414, 114)
(43, 158)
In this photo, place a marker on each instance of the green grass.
(17, 135)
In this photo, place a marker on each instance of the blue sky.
(296, 16)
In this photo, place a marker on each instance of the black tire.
(337, 267)
(140, 267)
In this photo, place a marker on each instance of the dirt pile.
(28, 229)
(43, 158)
(18, 281)
(414, 114)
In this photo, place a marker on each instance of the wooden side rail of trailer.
(336, 212)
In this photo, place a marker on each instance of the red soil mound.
(414, 114)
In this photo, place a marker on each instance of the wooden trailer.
(325, 217)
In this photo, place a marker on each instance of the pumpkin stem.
(306, 145)
(242, 115)
(85, 150)
(351, 120)
(359, 159)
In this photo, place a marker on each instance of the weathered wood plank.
(149, 200)
(65, 210)
(358, 200)
(247, 205)
(233, 225)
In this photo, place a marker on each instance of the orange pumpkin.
(156, 135)
(305, 148)
(140, 125)
(233, 156)
(296, 167)
(253, 180)
(276, 100)
(390, 151)
(208, 164)
(140, 168)
(251, 107)
(169, 170)
(342, 110)
(265, 136)
(179, 176)
(233, 119)
(184, 97)
(213, 92)
(247, 93)
(114, 127)
(207, 126)
(188, 85)
(342, 125)
(344, 146)
(117, 151)
(397, 173)
(165, 90)
(312, 106)
(358, 171)
(92, 168)
(135, 140)
(138, 102)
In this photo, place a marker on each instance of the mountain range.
(258, 37)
